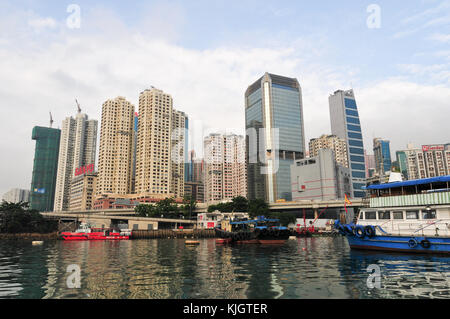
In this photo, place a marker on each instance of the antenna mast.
(51, 119)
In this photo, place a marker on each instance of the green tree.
(167, 208)
(257, 207)
(285, 218)
(18, 218)
(189, 206)
(240, 204)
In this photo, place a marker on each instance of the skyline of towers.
(344, 118)
(77, 148)
(275, 135)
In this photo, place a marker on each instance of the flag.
(346, 202)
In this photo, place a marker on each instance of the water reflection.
(167, 268)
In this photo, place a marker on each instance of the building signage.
(428, 148)
(84, 169)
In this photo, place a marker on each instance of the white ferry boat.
(411, 216)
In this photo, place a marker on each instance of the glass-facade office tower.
(345, 124)
(382, 153)
(275, 136)
(43, 180)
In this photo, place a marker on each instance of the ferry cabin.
(419, 207)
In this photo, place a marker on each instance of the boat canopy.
(439, 179)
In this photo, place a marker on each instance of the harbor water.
(319, 267)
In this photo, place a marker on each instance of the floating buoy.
(37, 242)
(192, 242)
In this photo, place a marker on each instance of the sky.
(205, 53)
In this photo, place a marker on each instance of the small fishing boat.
(258, 231)
(408, 216)
(86, 232)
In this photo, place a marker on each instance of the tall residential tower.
(115, 163)
(77, 148)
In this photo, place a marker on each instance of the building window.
(371, 215)
(354, 128)
(384, 215)
(429, 214)
(412, 215)
(397, 215)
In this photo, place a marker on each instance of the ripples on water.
(167, 268)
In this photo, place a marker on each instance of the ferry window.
(361, 215)
(371, 215)
(431, 214)
(397, 215)
(412, 215)
(384, 215)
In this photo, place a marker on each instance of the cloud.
(440, 37)
(42, 23)
(403, 111)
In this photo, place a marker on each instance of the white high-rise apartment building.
(77, 148)
(17, 195)
(429, 161)
(160, 148)
(115, 163)
(224, 168)
(338, 145)
(178, 152)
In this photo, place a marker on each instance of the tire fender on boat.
(412, 243)
(425, 243)
(370, 231)
(359, 231)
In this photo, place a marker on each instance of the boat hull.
(407, 244)
(252, 237)
(67, 236)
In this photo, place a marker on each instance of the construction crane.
(78, 105)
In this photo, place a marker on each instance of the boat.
(257, 231)
(86, 232)
(409, 216)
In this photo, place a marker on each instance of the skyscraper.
(43, 181)
(275, 135)
(345, 124)
(382, 153)
(161, 142)
(115, 163)
(77, 148)
(225, 169)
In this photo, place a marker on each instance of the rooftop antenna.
(51, 119)
(78, 105)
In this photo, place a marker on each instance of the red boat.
(86, 232)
